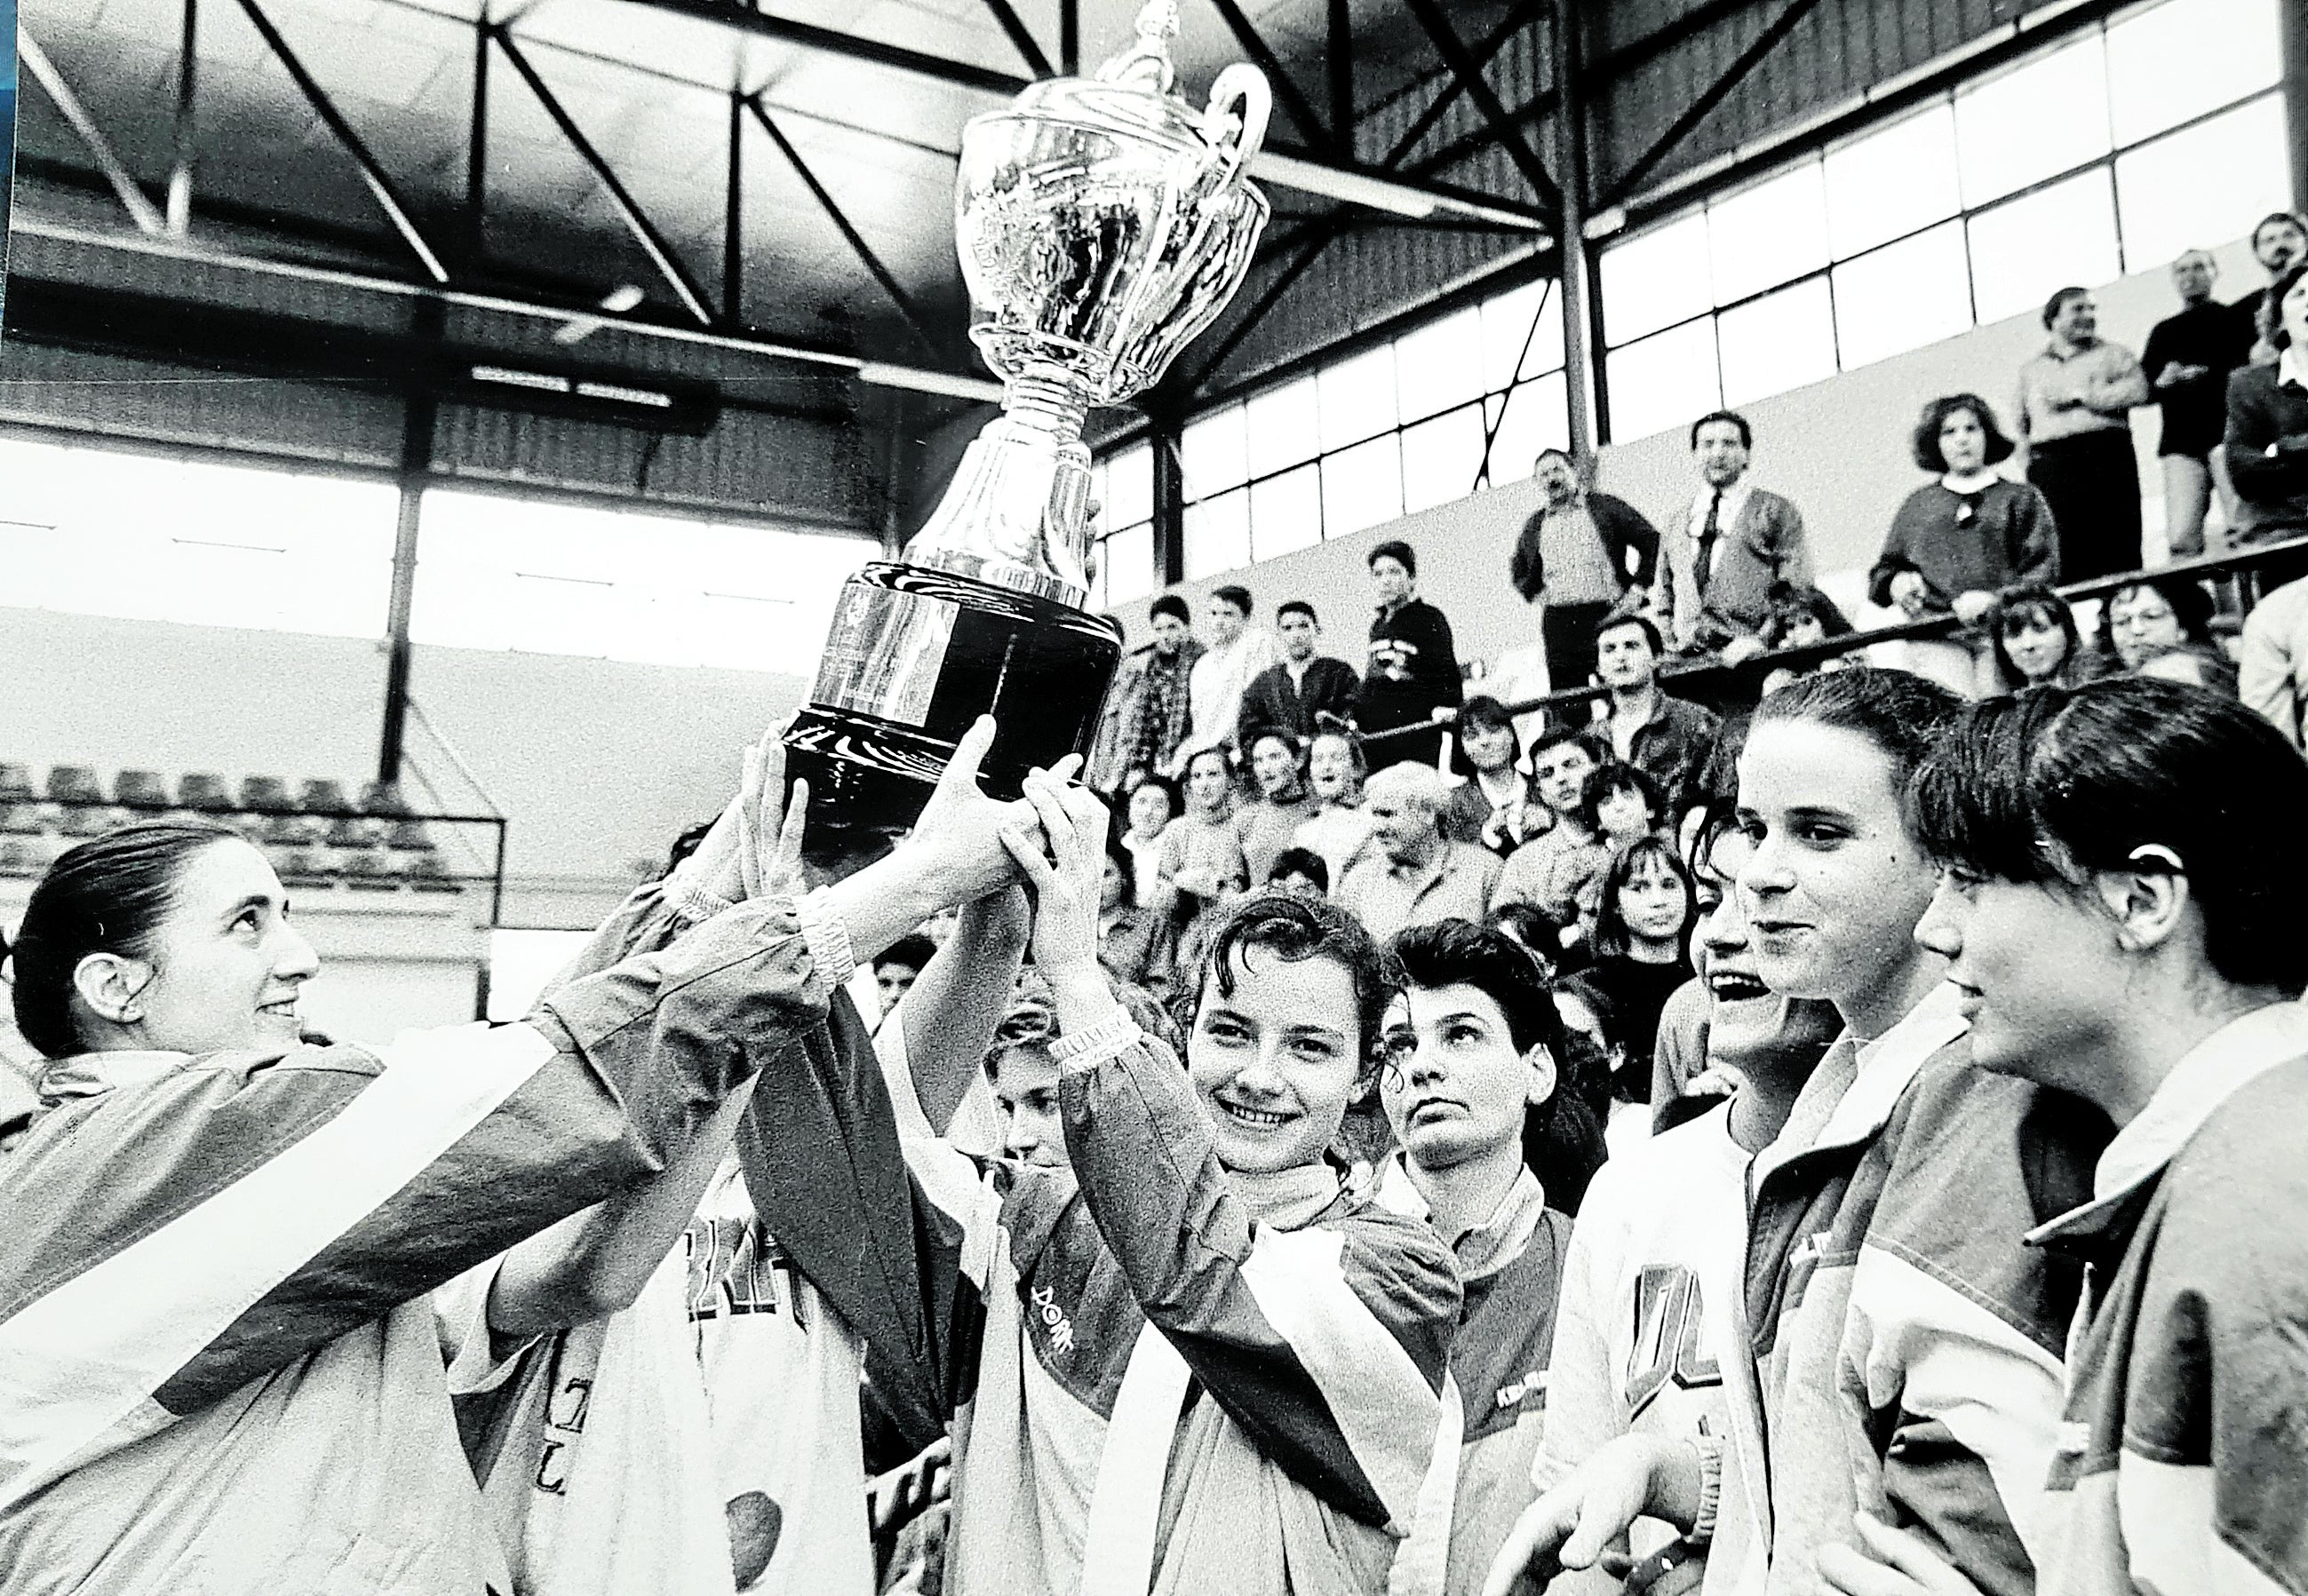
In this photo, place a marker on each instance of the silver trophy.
(1102, 225)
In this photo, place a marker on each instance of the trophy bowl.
(1102, 224)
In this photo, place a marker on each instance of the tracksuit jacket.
(220, 1368)
(1905, 1342)
(2182, 1464)
(1166, 1376)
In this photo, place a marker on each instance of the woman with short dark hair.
(2163, 627)
(2032, 639)
(1491, 807)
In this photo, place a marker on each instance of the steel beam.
(1021, 37)
(1169, 529)
(380, 185)
(1309, 247)
(1340, 58)
(181, 130)
(123, 182)
(1468, 71)
(1287, 92)
(1774, 34)
(658, 248)
(1521, 17)
(733, 216)
(1070, 37)
(850, 233)
(1582, 342)
(828, 41)
(476, 147)
(417, 416)
(2292, 47)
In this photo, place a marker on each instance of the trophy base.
(914, 657)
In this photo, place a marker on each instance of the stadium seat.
(383, 798)
(204, 790)
(368, 873)
(266, 794)
(322, 795)
(16, 784)
(73, 784)
(408, 836)
(426, 872)
(291, 831)
(139, 790)
(18, 859)
(350, 832)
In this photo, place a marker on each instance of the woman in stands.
(1492, 807)
(1646, 1319)
(224, 1373)
(1794, 618)
(1153, 803)
(1472, 1046)
(1910, 1361)
(1200, 864)
(2163, 628)
(1268, 823)
(2032, 632)
(1341, 831)
(1643, 929)
(1202, 1361)
(1962, 538)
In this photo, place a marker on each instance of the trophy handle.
(1236, 142)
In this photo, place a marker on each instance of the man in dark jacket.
(2266, 441)
(1414, 664)
(1665, 738)
(1306, 690)
(1583, 552)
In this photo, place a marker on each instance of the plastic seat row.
(201, 791)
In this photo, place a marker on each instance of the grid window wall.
(1462, 402)
(2158, 130)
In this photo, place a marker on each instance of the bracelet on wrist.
(1710, 1489)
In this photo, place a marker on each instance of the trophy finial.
(1146, 65)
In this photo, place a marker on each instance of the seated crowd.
(1339, 1138)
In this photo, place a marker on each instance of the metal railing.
(1712, 681)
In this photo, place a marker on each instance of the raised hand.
(1065, 884)
(957, 842)
(1571, 1525)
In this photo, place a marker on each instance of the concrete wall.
(1837, 448)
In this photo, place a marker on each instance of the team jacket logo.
(1056, 1325)
(1532, 1384)
(735, 1267)
(1668, 1312)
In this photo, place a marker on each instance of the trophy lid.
(1130, 92)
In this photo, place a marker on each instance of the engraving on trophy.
(1101, 225)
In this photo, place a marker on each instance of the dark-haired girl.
(1643, 928)
(1471, 1091)
(1266, 825)
(1960, 538)
(1907, 1366)
(1492, 808)
(1198, 1361)
(2033, 637)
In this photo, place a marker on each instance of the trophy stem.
(1044, 397)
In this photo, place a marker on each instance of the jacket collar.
(2292, 366)
(2206, 1076)
(92, 1075)
(1734, 499)
(1491, 1245)
(1850, 1096)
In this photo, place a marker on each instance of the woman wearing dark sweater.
(1958, 541)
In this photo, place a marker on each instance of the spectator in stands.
(1148, 711)
(1300, 872)
(1305, 691)
(1642, 923)
(1958, 541)
(1537, 932)
(2074, 416)
(1491, 807)
(2272, 663)
(1153, 804)
(1268, 823)
(1200, 864)
(2188, 358)
(1416, 876)
(2163, 628)
(2280, 243)
(1799, 617)
(1664, 737)
(1130, 939)
(1238, 654)
(1340, 829)
(1583, 552)
(1738, 543)
(2266, 440)
(1622, 805)
(899, 965)
(1412, 678)
(2125, 870)
(1548, 870)
(2032, 634)
(1471, 1079)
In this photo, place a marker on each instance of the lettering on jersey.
(1532, 1384)
(1056, 1325)
(1668, 1313)
(735, 1267)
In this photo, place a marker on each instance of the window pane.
(1284, 427)
(1769, 234)
(2032, 122)
(1130, 486)
(1213, 451)
(1286, 512)
(1217, 534)
(1902, 297)
(1507, 328)
(2186, 57)
(1663, 383)
(1439, 458)
(1362, 487)
(1537, 417)
(1439, 364)
(2200, 188)
(1129, 564)
(2057, 236)
(1656, 278)
(1776, 343)
(1357, 397)
(1895, 180)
